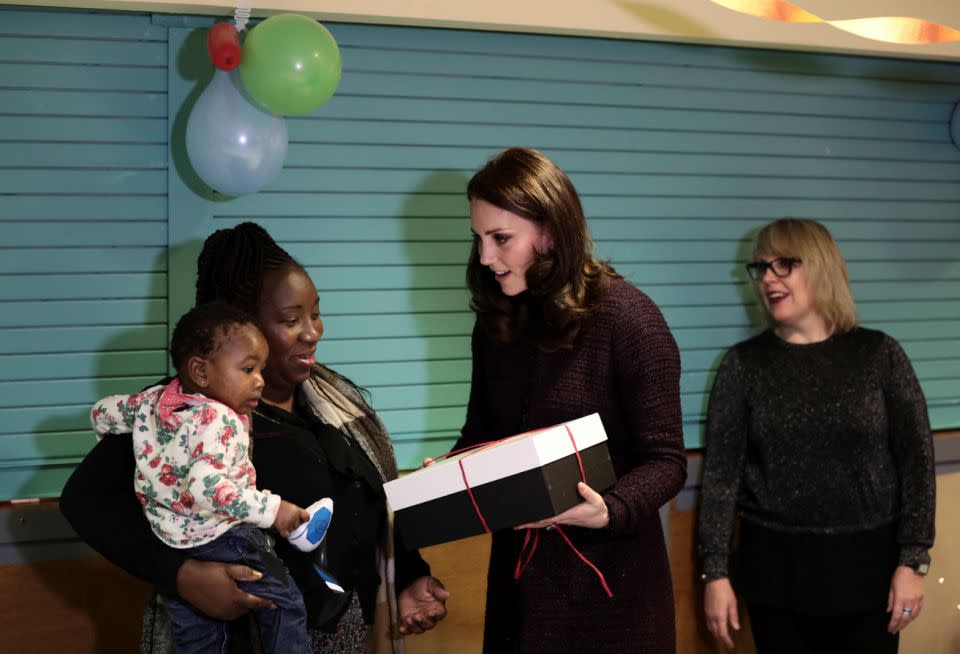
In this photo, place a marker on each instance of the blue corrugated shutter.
(680, 152)
(83, 213)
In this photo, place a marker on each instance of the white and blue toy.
(308, 536)
(328, 579)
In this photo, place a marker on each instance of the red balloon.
(223, 44)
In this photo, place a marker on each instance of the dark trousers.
(780, 631)
(282, 630)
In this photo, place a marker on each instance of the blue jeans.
(282, 630)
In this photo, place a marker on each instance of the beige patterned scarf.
(337, 403)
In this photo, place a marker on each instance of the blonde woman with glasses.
(818, 440)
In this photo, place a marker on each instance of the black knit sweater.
(829, 438)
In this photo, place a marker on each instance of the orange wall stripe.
(891, 29)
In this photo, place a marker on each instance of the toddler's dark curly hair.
(202, 329)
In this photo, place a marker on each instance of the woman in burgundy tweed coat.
(560, 335)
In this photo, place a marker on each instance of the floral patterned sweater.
(194, 477)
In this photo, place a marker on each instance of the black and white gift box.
(525, 478)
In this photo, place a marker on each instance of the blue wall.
(680, 153)
(83, 214)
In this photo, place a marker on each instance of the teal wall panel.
(82, 365)
(83, 212)
(89, 286)
(83, 129)
(680, 153)
(50, 340)
(140, 258)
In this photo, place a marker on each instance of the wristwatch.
(920, 568)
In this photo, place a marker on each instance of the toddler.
(194, 477)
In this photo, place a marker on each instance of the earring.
(203, 382)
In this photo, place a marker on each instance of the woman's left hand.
(592, 513)
(905, 601)
(422, 605)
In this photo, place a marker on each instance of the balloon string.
(241, 15)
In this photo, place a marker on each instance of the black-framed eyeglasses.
(781, 267)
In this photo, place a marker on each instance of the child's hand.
(289, 517)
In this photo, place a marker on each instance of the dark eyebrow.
(316, 301)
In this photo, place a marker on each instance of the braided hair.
(233, 265)
(234, 262)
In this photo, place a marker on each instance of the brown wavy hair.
(823, 262)
(565, 284)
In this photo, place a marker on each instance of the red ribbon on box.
(521, 563)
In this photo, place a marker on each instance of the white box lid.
(489, 463)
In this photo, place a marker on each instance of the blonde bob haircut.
(822, 261)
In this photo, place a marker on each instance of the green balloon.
(291, 64)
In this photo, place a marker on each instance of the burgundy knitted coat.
(626, 367)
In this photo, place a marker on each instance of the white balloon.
(235, 146)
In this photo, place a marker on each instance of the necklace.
(267, 418)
